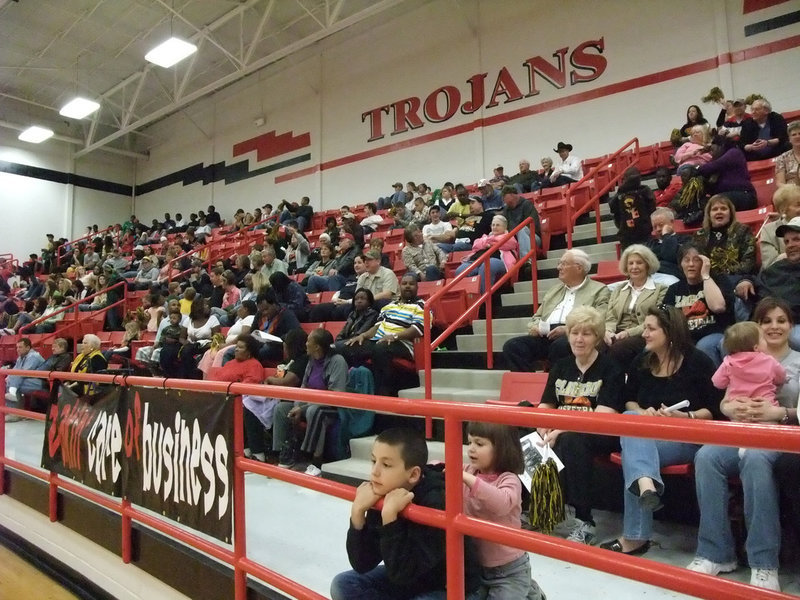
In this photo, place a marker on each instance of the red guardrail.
(90, 236)
(615, 174)
(452, 519)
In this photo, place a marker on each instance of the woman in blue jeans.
(669, 370)
(714, 465)
(501, 260)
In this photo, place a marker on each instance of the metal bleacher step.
(459, 385)
(517, 325)
(476, 342)
(359, 465)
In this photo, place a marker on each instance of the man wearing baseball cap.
(379, 280)
(780, 279)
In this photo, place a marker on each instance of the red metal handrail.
(88, 236)
(594, 201)
(486, 298)
(455, 523)
(75, 305)
(210, 246)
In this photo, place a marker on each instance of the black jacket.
(414, 555)
(777, 129)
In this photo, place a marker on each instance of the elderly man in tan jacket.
(546, 339)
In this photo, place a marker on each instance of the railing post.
(239, 526)
(534, 268)
(487, 285)
(428, 363)
(52, 498)
(127, 530)
(454, 506)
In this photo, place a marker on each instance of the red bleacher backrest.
(755, 218)
(765, 190)
(309, 327)
(335, 327)
(608, 272)
(517, 387)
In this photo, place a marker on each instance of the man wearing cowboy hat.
(570, 169)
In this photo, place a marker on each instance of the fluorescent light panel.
(78, 108)
(171, 52)
(35, 134)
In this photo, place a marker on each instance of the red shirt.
(246, 371)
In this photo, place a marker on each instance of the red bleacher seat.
(426, 289)
(608, 272)
(761, 170)
(315, 298)
(755, 218)
(517, 387)
(309, 327)
(683, 469)
(765, 190)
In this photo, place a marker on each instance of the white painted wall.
(325, 90)
(444, 43)
(31, 207)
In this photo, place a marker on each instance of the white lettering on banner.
(179, 453)
(587, 61)
(105, 442)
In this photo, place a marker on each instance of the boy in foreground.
(413, 554)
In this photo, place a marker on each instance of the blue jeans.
(222, 316)
(497, 269)
(324, 283)
(457, 247)
(375, 585)
(645, 458)
(524, 241)
(713, 466)
(433, 273)
(711, 346)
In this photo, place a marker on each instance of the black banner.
(83, 438)
(168, 451)
(182, 461)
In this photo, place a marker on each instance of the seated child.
(493, 491)
(413, 554)
(173, 338)
(748, 371)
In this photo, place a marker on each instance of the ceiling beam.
(366, 13)
(77, 141)
(259, 30)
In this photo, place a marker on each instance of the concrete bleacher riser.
(459, 385)
(359, 465)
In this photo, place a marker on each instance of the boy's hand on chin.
(394, 502)
(365, 496)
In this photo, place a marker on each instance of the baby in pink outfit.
(748, 371)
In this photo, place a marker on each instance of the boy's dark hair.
(176, 311)
(412, 445)
(507, 447)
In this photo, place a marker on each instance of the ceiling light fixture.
(35, 134)
(78, 108)
(171, 52)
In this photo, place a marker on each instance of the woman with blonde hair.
(629, 303)
(787, 165)
(787, 204)
(586, 381)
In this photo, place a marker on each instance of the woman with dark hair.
(326, 370)
(706, 300)
(361, 318)
(245, 317)
(290, 295)
(332, 229)
(729, 165)
(322, 263)
(694, 116)
(669, 369)
(202, 327)
(715, 465)
(729, 245)
(275, 321)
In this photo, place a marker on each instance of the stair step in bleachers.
(517, 325)
(459, 385)
(359, 465)
(476, 342)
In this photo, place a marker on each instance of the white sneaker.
(314, 471)
(703, 565)
(582, 532)
(765, 578)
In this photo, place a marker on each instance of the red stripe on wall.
(749, 6)
(607, 90)
(270, 145)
